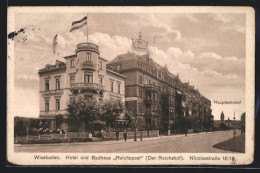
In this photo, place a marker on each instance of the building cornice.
(115, 73)
(50, 71)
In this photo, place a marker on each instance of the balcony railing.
(150, 101)
(87, 46)
(88, 86)
(151, 87)
(88, 66)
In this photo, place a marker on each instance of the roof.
(124, 57)
(115, 73)
(70, 56)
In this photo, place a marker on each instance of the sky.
(207, 50)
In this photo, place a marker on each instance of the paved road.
(164, 144)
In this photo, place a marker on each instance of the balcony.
(151, 87)
(87, 65)
(88, 86)
(87, 47)
(149, 101)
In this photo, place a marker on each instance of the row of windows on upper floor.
(87, 59)
(88, 78)
(47, 105)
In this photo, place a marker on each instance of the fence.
(74, 136)
(130, 135)
(70, 136)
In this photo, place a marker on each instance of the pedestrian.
(125, 135)
(102, 134)
(117, 134)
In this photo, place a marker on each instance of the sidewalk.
(113, 141)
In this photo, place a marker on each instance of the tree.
(129, 117)
(110, 112)
(59, 119)
(82, 110)
(243, 120)
(19, 127)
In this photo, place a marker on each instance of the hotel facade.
(155, 96)
(82, 74)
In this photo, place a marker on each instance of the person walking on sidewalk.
(102, 134)
(117, 134)
(125, 135)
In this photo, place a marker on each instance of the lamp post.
(234, 130)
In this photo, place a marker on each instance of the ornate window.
(47, 85)
(88, 77)
(57, 83)
(47, 105)
(88, 57)
(72, 79)
(112, 86)
(57, 104)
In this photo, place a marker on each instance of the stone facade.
(82, 74)
(156, 96)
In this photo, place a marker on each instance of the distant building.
(82, 74)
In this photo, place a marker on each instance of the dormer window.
(88, 57)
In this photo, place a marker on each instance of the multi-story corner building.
(156, 96)
(82, 74)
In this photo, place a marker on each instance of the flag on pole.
(78, 24)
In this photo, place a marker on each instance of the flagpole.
(87, 28)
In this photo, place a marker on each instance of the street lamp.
(234, 130)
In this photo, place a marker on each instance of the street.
(193, 143)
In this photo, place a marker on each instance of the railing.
(51, 137)
(150, 101)
(88, 65)
(87, 45)
(52, 112)
(151, 87)
(90, 86)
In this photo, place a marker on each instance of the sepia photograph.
(130, 85)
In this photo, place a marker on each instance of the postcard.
(158, 85)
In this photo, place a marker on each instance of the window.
(111, 86)
(140, 107)
(140, 93)
(149, 81)
(88, 57)
(57, 84)
(146, 81)
(57, 104)
(159, 75)
(47, 85)
(72, 63)
(140, 79)
(100, 65)
(100, 80)
(72, 79)
(118, 88)
(88, 77)
(47, 105)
